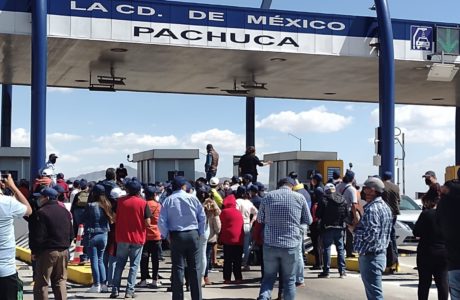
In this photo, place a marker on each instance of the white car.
(410, 211)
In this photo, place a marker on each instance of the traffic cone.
(78, 246)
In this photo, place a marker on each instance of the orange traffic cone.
(78, 247)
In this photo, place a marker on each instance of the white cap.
(117, 193)
(374, 183)
(47, 172)
(329, 187)
(214, 181)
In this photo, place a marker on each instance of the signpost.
(448, 40)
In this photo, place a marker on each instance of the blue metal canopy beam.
(7, 93)
(39, 82)
(386, 86)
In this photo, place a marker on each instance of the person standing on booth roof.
(212, 161)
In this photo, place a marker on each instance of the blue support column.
(39, 82)
(250, 121)
(7, 94)
(266, 4)
(386, 86)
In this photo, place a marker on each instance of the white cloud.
(224, 141)
(424, 124)
(315, 120)
(67, 158)
(349, 107)
(20, 138)
(59, 90)
(122, 140)
(62, 137)
(95, 151)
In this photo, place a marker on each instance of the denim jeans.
(203, 246)
(454, 284)
(111, 266)
(275, 259)
(96, 248)
(134, 252)
(299, 277)
(209, 248)
(371, 267)
(333, 236)
(246, 243)
(185, 247)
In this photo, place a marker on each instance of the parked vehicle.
(410, 211)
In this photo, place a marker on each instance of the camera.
(4, 177)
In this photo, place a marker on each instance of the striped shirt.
(372, 234)
(282, 212)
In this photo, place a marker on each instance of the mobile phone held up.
(4, 177)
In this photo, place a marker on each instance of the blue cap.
(83, 184)
(150, 191)
(59, 189)
(178, 182)
(133, 186)
(350, 175)
(241, 191)
(317, 176)
(47, 192)
(287, 180)
(260, 185)
(98, 190)
(247, 177)
(253, 188)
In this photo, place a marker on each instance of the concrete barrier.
(75, 273)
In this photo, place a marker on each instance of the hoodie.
(232, 223)
(332, 211)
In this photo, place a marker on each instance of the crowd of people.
(124, 218)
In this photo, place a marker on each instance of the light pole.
(403, 159)
(300, 140)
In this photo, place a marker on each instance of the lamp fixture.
(111, 80)
(101, 88)
(236, 91)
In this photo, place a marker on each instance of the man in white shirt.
(247, 209)
(11, 207)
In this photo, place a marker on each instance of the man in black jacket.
(449, 222)
(51, 237)
(332, 211)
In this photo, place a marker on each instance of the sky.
(91, 131)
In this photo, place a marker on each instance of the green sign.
(448, 40)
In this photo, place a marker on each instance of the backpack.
(334, 213)
(82, 199)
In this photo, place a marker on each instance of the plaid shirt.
(282, 211)
(372, 234)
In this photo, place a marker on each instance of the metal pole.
(457, 136)
(404, 165)
(387, 85)
(39, 73)
(7, 94)
(250, 121)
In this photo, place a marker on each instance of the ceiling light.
(236, 91)
(81, 80)
(211, 87)
(277, 59)
(442, 72)
(111, 80)
(101, 88)
(119, 50)
(438, 99)
(253, 85)
(330, 93)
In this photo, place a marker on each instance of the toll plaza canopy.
(163, 46)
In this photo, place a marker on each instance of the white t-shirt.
(348, 192)
(247, 209)
(72, 195)
(10, 208)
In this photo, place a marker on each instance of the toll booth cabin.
(303, 163)
(15, 161)
(164, 164)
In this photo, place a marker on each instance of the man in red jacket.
(133, 217)
(231, 236)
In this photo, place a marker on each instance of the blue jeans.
(111, 265)
(371, 267)
(454, 284)
(274, 260)
(299, 276)
(246, 243)
(96, 248)
(134, 252)
(333, 236)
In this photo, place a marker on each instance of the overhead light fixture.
(330, 93)
(101, 88)
(81, 80)
(236, 91)
(211, 87)
(111, 80)
(119, 50)
(253, 85)
(277, 59)
(442, 72)
(438, 99)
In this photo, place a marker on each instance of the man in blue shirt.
(182, 220)
(11, 207)
(371, 238)
(282, 212)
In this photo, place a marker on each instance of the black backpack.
(335, 212)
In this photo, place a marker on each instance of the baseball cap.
(117, 192)
(98, 190)
(350, 174)
(178, 182)
(133, 186)
(83, 184)
(374, 183)
(260, 185)
(214, 181)
(60, 176)
(317, 176)
(52, 155)
(150, 191)
(329, 188)
(293, 175)
(59, 189)
(47, 192)
(47, 172)
(287, 180)
(430, 174)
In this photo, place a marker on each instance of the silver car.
(410, 211)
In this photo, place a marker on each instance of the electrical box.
(327, 168)
(451, 173)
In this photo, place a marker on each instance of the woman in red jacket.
(231, 236)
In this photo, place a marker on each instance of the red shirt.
(232, 223)
(153, 232)
(131, 214)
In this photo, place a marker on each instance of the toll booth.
(303, 163)
(15, 161)
(164, 164)
(451, 173)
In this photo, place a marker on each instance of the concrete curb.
(77, 274)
